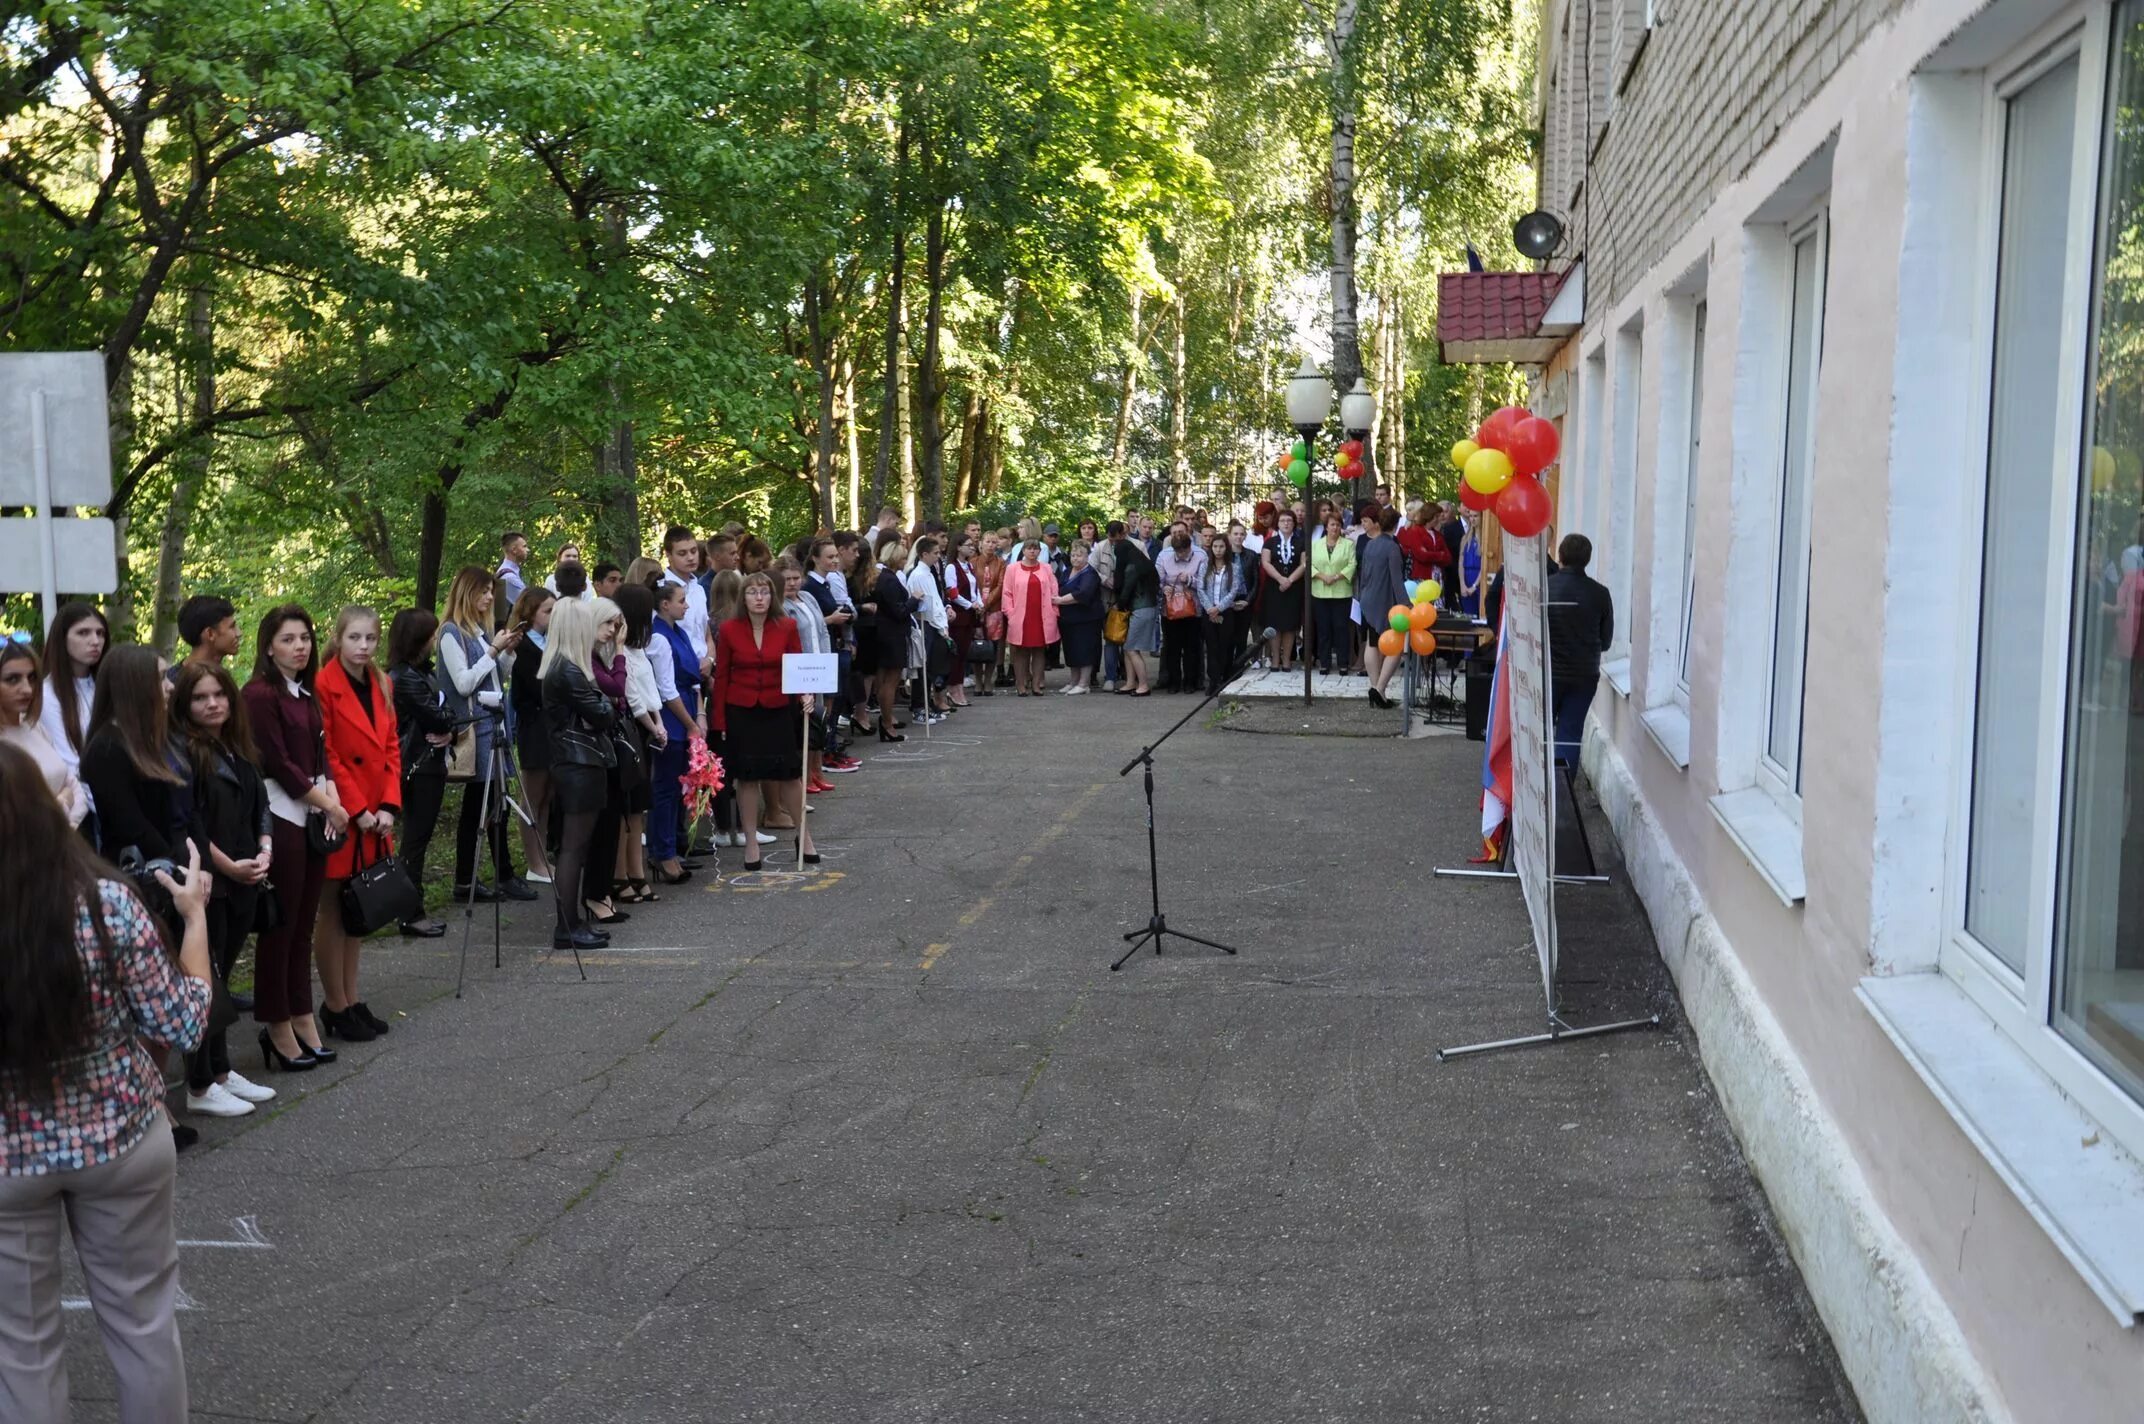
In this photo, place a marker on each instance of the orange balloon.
(1421, 618)
(1422, 641)
(1391, 644)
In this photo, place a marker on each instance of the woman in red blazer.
(762, 727)
(357, 718)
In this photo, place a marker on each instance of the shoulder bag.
(1116, 625)
(1179, 602)
(378, 892)
(461, 752)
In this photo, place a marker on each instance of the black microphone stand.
(1157, 925)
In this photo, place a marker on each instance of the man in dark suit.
(1581, 626)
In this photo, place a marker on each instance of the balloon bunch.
(1498, 467)
(1409, 625)
(1348, 463)
(1294, 464)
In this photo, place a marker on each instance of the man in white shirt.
(682, 550)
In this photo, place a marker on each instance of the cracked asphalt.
(891, 1143)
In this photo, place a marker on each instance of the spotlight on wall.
(1537, 235)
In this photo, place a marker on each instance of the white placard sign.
(55, 456)
(1533, 788)
(811, 672)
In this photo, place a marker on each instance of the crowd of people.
(159, 816)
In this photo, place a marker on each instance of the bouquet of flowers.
(702, 779)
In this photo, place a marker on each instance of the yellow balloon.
(1463, 452)
(1428, 591)
(1488, 471)
(2102, 467)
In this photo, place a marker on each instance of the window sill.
(2070, 1175)
(1616, 672)
(1768, 837)
(1669, 727)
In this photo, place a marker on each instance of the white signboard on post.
(811, 672)
(1533, 787)
(55, 454)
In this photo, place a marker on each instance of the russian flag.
(1496, 762)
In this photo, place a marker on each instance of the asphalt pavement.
(888, 1141)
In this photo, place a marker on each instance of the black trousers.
(1222, 641)
(1181, 648)
(465, 834)
(226, 936)
(1335, 638)
(422, 796)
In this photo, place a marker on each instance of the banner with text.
(1533, 809)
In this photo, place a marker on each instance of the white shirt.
(66, 786)
(663, 663)
(923, 588)
(53, 724)
(643, 693)
(694, 623)
(972, 601)
(839, 583)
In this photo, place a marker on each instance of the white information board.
(811, 672)
(55, 456)
(1533, 787)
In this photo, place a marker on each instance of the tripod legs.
(491, 818)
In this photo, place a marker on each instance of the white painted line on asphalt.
(249, 1237)
(82, 1302)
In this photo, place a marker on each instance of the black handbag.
(318, 838)
(982, 650)
(378, 893)
(267, 908)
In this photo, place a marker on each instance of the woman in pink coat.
(1030, 603)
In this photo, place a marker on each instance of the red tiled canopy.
(1496, 316)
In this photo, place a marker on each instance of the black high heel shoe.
(886, 736)
(613, 918)
(668, 879)
(752, 867)
(319, 1053)
(273, 1061)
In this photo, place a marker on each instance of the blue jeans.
(1112, 662)
(1571, 702)
(666, 801)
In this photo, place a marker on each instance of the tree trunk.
(617, 477)
(1393, 444)
(994, 442)
(119, 420)
(855, 446)
(1179, 406)
(822, 361)
(431, 548)
(1120, 444)
(200, 403)
(1347, 342)
(971, 432)
(930, 379)
(892, 417)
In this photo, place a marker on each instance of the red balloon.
(1473, 498)
(1353, 449)
(1523, 508)
(1532, 445)
(1497, 428)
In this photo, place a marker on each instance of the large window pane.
(1783, 740)
(2099, 1003)
(2039, 129)
(1689, 491)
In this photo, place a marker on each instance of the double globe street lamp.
(1310, 406)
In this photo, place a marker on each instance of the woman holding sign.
(760, 724)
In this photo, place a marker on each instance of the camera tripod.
(491, 820)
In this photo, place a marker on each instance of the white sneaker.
(1074, 690)
(216, 1102)
(239, 1086)
(534, 879)
(764, 838)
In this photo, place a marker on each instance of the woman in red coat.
(762, 727)
(357, 719)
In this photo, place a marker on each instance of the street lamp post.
(1310, 405)
(1358, 413)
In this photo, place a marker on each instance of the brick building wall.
(1678, 110)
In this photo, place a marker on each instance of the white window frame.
(1814, 225)
(2022, 1005)
(1625, 399)
(1693, 448)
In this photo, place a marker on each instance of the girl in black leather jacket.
(577, 720)
(427, 730)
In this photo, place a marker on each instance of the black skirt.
(579, 790)
(892, 645)
(763, 744)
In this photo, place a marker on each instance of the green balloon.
(1399, 622)
(1298, 471)
(1299, 451)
